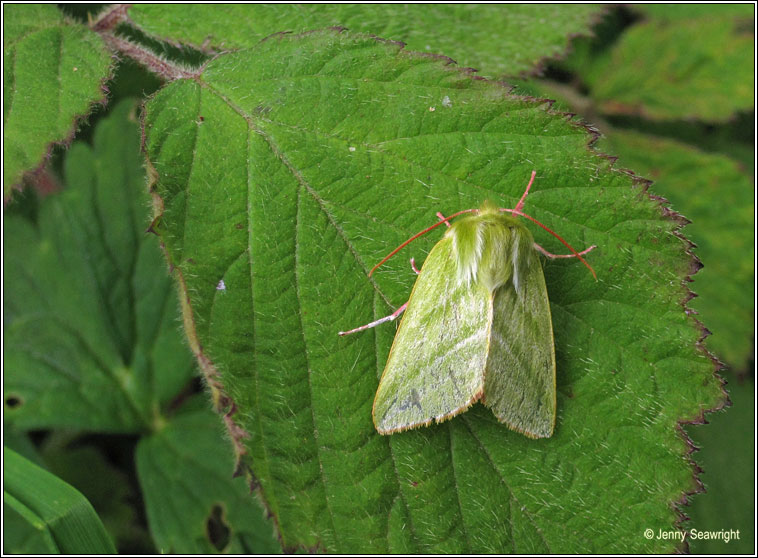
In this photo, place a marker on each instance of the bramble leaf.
(497, 39)
(282, 173)
(193, 504)
(53, 72)
(678, 12)
(698, 67)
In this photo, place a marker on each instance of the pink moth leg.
(413, 265)
(389, 318)
(400, 310)
(554, 256)
(520, 204)
(574, 254)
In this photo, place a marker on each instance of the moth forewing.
(435, 367)
(519, 377)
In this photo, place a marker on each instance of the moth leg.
(413, 266)
(413, 262)
(554, 256)
(389, 318)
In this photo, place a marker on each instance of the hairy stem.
(144, 56)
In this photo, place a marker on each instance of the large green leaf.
(61, 519)
(284, 172)
(496, 39)
(682, 69)
(717, 197)
(91, 338)
(53, 72)
(193, 504)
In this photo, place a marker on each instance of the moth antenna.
(520, 204)
(418, 234)
(442, 218)
(556, 235)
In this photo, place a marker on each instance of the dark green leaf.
(22, 536)
(675, 12)
(288, 170)
(193, 503)
(695, 68)
(53, 72)
(19, 441)
(106, 487)
(496, 39)
(91, 337)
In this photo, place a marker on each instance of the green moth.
(477, 327)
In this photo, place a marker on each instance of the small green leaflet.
(477, 327)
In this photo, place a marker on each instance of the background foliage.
(98, 378)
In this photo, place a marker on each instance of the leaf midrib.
(507, 486)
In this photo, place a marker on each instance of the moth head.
(491, 248)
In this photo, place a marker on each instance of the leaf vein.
(299, 313)
(457, 489)
(502, 478)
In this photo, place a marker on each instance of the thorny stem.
(110, 17)
(105, 24)
(145, 57)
